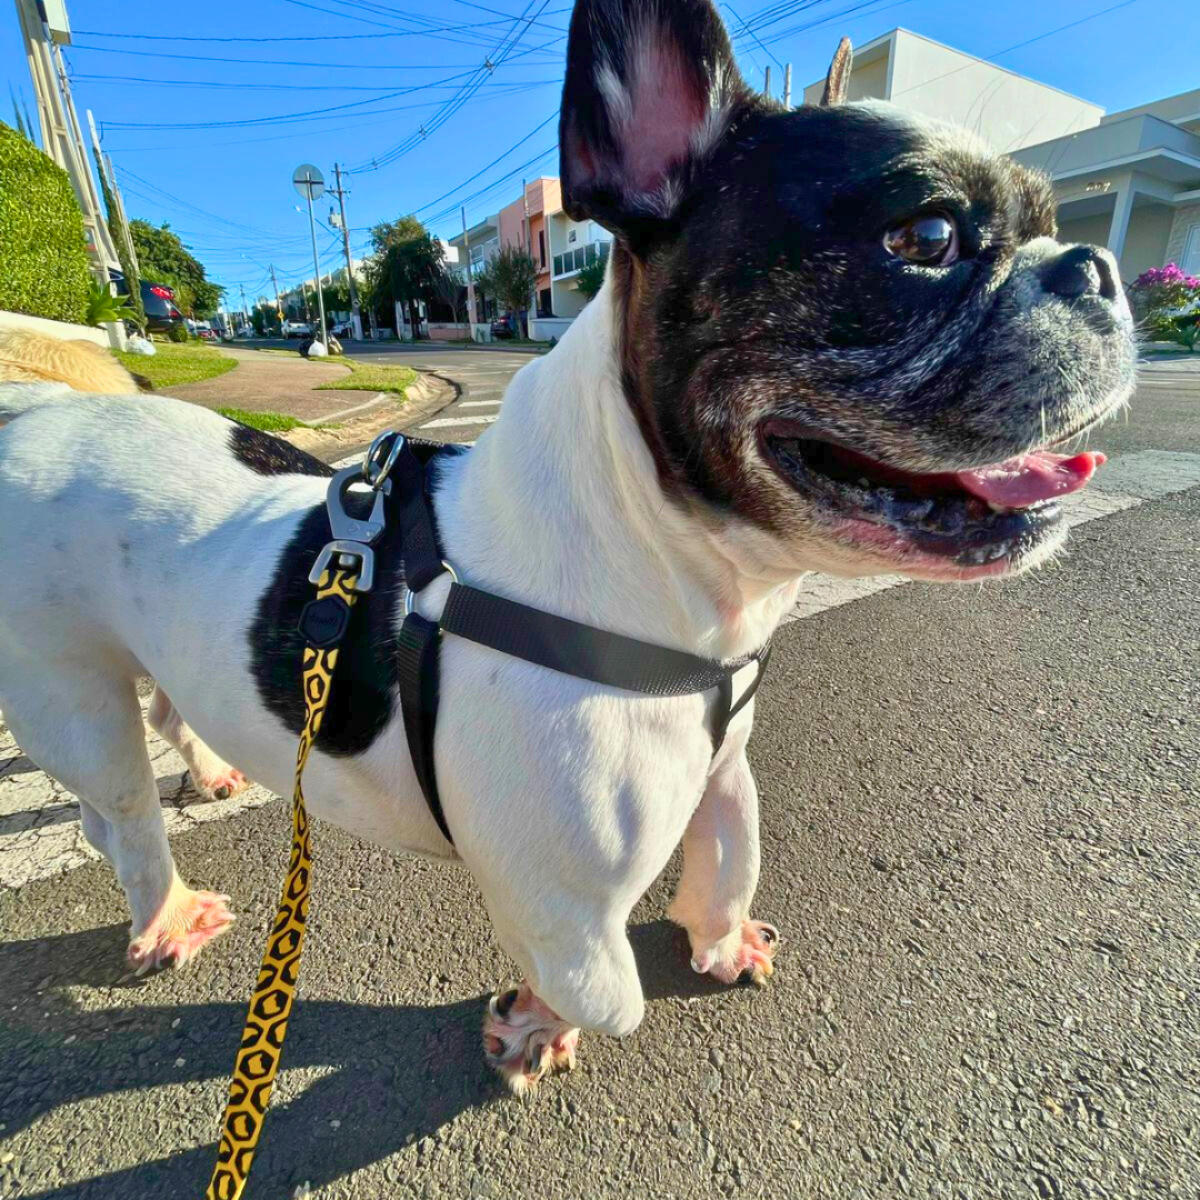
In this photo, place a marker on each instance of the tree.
(405, 267)
(163, 258)
(591, 278)
(449, 289)
(511, 277)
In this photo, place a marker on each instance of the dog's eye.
(930, 241)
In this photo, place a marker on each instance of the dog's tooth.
(997, 508)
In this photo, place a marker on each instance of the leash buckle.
(381, 458)
(348, 552)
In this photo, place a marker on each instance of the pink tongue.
(1023, 481)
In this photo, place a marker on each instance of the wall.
(1091, 231)
(1005, 109)
(1146, 241)
(1173, 108)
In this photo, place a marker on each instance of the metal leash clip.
(353, 537)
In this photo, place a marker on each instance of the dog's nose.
(1080, 271)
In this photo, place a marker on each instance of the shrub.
(43, 251)
(1157, 295)
(104, 307)
(178, 333)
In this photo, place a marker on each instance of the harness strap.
(419, 675)
(575, 649)
(519, 631)
(257, 1064)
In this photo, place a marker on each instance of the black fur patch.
(268, 455)
(365, 689)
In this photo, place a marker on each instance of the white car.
(300, 329)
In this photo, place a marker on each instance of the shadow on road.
(396, 1073)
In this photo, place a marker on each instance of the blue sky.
(209, 143)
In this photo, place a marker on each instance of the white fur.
(566, 799)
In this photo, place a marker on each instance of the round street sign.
(308, 181)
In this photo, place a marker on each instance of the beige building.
(1129, 180)
(1132, 184)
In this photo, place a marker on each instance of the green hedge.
(43, 250)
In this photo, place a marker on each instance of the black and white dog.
(838, 339)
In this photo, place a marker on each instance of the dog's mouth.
(978, 522)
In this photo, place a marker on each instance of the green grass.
(188, 362)
(369, 378)
(271, 422)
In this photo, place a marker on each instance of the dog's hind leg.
(720, 875)
(86, 731)
(212, 777)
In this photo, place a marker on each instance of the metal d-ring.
(410, 595)
(382, 471)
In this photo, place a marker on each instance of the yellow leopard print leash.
(271, 1002)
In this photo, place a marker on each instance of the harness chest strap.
(519, 631)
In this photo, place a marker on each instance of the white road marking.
(40, 835)
(479, 404)
(337, 414)
(447, 422)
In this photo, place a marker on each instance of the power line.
(553, 116)
(498, 55)
(248, 122)
(280, 62)
(288, 87)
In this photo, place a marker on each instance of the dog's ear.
(651, 86)
(837, 82)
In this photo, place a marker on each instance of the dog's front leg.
(720, 875)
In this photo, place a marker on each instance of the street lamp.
(310, 183)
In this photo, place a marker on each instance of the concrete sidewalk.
(277, 383)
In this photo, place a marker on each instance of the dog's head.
(846, 326)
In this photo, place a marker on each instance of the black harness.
(504, 625)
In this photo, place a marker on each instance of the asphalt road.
(979, 840)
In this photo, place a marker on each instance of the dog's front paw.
(187, 922)
(523, 1039)
(747, 951)
(221, 786)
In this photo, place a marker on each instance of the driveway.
(979, 840)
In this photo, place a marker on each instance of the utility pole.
(787, 86)
(62, 137)
(532, 308)
(767, 82)
(356, 315)
(245, 309)
(278, 306)
(470, 273)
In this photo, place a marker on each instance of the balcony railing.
(575, 260)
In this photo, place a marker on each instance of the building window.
(571, 237)
(542, 246)
(545, 307)
(1191, 252)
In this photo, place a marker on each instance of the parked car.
(208, 335)
(504, 327)
(342, 329)
(297, 329)
(162, 315)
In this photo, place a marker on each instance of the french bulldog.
(840, 339)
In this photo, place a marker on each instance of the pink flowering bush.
(1155, 293)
